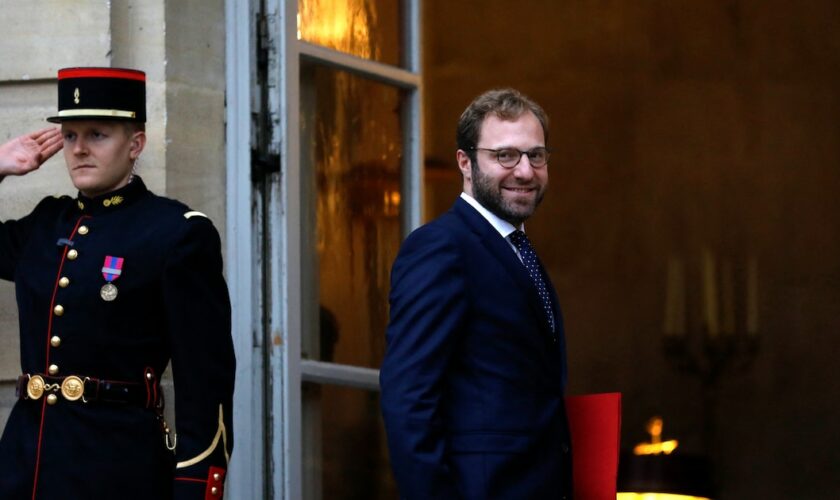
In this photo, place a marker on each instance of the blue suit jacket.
(472, 380)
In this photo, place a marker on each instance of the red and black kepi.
(101, 94)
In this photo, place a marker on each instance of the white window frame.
(268, 288)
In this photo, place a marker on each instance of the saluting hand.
(26, 153)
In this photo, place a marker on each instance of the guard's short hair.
(506, 104)
(131, 127)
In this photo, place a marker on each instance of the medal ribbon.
(112, 268)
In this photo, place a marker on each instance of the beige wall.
(678, 126)
(180, 45)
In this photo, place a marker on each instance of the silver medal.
(108, 292)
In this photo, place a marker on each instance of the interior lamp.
(654, 472)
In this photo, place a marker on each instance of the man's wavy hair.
(506, 104)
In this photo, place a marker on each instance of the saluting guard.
(111, 286)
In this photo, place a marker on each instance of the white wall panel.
(40, 37)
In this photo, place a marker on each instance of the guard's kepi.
(101, 94)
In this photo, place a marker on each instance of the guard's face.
(511, 193)
(100, 154)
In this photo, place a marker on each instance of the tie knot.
(519, 240)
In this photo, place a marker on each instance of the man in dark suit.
(474, 374)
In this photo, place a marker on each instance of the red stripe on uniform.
(38, 453)
(47, 364)
(129, 74)
(191, 479)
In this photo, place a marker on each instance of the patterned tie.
(532, 264)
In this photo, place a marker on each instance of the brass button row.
(72, 387)
(64, 282)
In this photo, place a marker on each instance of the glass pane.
(345, 453)
(366, 28)
(351, 136)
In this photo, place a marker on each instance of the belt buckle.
(72, 388)
(35, 387)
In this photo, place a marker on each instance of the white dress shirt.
(504, 227)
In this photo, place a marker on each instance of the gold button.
(217, 476)
(53, 369)
(55, 341)
(58, 310)
(72, 254)
(64, 282)
(83, 230)
(149, 376)
(52, 399)
(214, 491)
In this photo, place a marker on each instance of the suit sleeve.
(428, 305)
(203, 363)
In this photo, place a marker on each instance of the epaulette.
(194, 213)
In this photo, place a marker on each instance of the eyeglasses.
(509, 157)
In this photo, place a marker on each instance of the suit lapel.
(502, 251)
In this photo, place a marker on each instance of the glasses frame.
(528, 152)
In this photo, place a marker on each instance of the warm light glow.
(298, 25)
(391, 203)
(656, 445)
(665, 447)
(656, 496)
(338, 24)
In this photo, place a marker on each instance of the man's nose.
(524, 169)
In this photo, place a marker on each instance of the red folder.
(595, 423)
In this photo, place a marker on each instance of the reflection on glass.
(351, 137)
(364, 28)
(346, 454)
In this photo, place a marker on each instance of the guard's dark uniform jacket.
(86, 425)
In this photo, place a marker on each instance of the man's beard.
(490, 197)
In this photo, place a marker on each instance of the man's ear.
(138, 142)
(464, 164)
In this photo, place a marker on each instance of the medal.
(108, 292)
(111, 270)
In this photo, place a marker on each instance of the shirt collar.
(502, 226)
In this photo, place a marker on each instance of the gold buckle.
(72, 388)
(35, 387)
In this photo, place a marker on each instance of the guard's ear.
(138, 142)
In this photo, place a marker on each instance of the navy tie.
(532, 264)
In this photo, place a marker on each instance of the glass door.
(350, 187)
